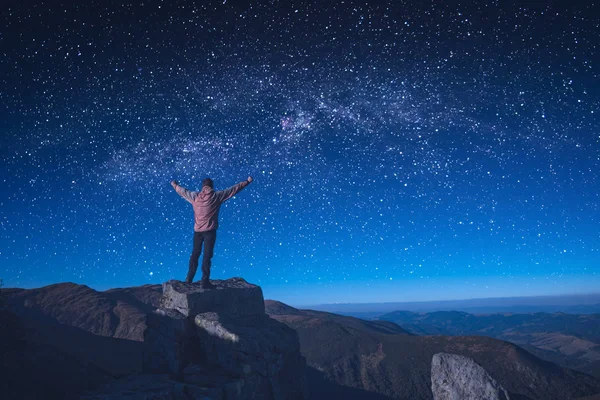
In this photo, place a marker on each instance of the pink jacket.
(207, 204)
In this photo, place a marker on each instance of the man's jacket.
(207, 203)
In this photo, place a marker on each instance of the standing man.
(206, 204)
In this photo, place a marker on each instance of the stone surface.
(456, 377)
(233, 296)
(170, 342)
(117, 313)
(254, 346)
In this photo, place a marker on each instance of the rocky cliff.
(175, 342)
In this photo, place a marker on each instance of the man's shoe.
(207, 285)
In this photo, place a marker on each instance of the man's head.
(208, 182)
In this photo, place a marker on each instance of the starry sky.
(401, 150)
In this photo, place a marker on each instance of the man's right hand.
(250, 179)
(174, 183)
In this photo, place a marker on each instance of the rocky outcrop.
(456, 377)
(116, 313)
(175, 341)
(233, 296)
(215, 344)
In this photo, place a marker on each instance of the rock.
(117, 313)
(70, 304)
(170, 342)
(254, 346)
(456, 377)
(233, 296)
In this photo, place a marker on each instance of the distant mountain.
(352, 358)
(573, 304)
(569, 340)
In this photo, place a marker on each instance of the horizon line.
(462, 299)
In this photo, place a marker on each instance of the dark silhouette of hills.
(569, 340)
(392, 363)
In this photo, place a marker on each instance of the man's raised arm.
(224, 195)
(183, 192)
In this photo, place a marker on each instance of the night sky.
(401, 150)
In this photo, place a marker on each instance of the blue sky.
(400, 152)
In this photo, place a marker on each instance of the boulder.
(233, 296)
(456, 377)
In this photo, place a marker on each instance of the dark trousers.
(208, 238)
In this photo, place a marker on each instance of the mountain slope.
(394, 364)
(570, 340)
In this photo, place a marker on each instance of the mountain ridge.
(570, 340)
(356, 355)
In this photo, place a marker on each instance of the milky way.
(401, 151)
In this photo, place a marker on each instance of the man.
(206, 204)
